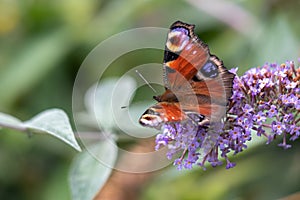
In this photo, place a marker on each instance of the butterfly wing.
(216, 91)
(184, 56)
(160, 113)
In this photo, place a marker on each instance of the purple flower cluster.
(265, 102)
(270, 92)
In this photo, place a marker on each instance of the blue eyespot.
(209, 70)
(180, 29)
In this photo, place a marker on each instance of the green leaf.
(276, 43)
(88, 174)
(11, 122)
(53, 121)
(31, 64)
(104, 100)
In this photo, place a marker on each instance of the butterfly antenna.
(142, 77)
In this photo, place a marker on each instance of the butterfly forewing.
(185, 54)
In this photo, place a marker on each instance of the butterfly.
(197, 85)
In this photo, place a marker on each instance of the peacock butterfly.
(197, 85)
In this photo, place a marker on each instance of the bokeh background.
(43, 44)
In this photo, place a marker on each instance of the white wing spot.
(189, 47)
(194, 52)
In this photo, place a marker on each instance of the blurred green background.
(43, 43)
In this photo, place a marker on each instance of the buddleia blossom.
(265, 102)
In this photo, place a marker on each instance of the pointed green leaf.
(277, 42)
(88, 173)
(103, 100)
(11, 122)
(25, 70)
(54, 122)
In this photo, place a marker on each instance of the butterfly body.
(196, 82)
